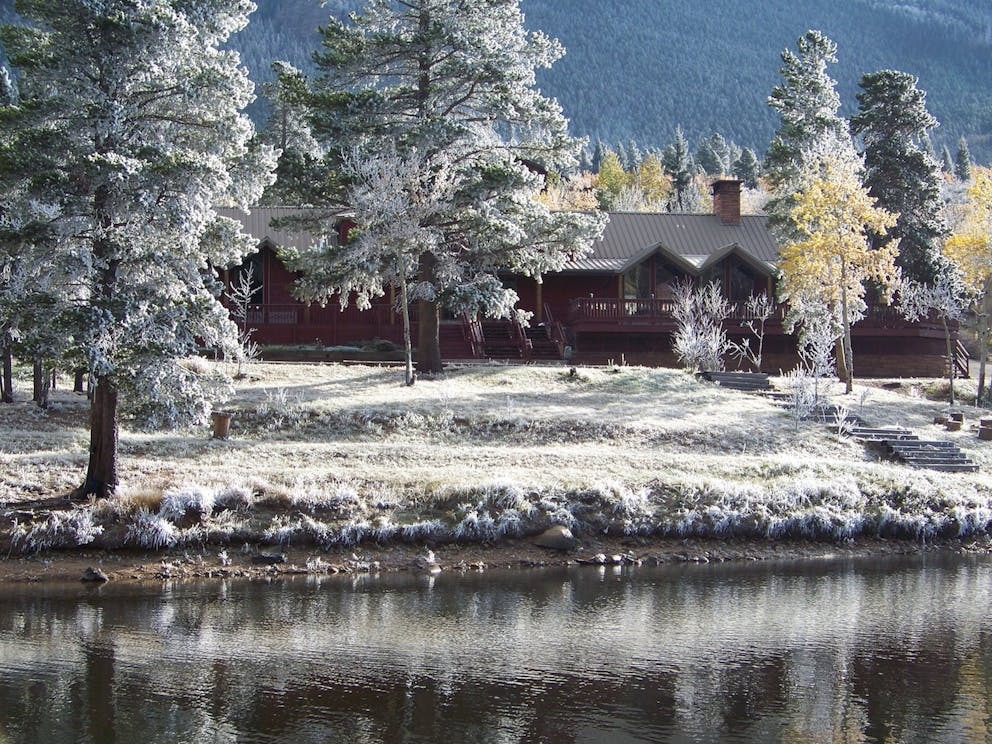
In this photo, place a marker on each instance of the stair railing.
(555, 331)
(518, 334)
(472, 329)
(961, 360)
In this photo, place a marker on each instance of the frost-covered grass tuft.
(179, 503)
(151, 531)
(334, 496)
(69, 529)
(234, 497)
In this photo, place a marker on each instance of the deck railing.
(612, 311)
(378, 320)
(639, 311)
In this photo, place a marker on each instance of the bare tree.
(700, 341)
(240, 295)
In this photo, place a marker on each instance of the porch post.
(539, 310)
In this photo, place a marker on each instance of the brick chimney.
(727, 201)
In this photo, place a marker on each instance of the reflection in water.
(838, 652)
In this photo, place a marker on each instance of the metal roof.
(257, 223)
(694, 241)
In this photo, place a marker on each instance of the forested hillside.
(636, 69)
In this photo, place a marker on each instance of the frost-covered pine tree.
(140, 113)
(900, 174)
(678, 164)
(300, 173)
(454, 82)
(962, 161)
(809, 124)
(747, 168)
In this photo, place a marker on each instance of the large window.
(742, 282)
(637, 282)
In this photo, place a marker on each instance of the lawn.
(345, 452)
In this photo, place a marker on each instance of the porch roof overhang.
(697, 264)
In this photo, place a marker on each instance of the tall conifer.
(894, 123)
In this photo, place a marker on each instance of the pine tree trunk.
(7, 385)
(42, 384)
(101, 473)
(79, 381)
(409, 377)
(841, 355)
(428, 338)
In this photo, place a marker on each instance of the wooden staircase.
(504, 339)
(453, 341)
(543, 347)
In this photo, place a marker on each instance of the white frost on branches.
(700, 341)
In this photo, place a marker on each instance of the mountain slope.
(636, 69)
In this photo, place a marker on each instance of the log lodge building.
(614, 302)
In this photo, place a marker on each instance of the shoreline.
(136, 567)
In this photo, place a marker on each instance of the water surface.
(896, 650)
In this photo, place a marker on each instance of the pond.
(881, 650)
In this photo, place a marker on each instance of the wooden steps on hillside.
(872, 434)
(903, 446)
(499, 340)
(746, 381)
(930, 453)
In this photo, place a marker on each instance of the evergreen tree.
(623, 159)
(598, 153)
(947, 162)
(634, 156)
(747, 168)
(962, 161)
(300, 174)
(139, 133)
(708, 159)
(722, 150)
(449, 84)
(679, 166)
(585, 160)
(809, 125)
(893, 121)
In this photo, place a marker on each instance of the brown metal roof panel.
(632, 235)
(257, 223)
